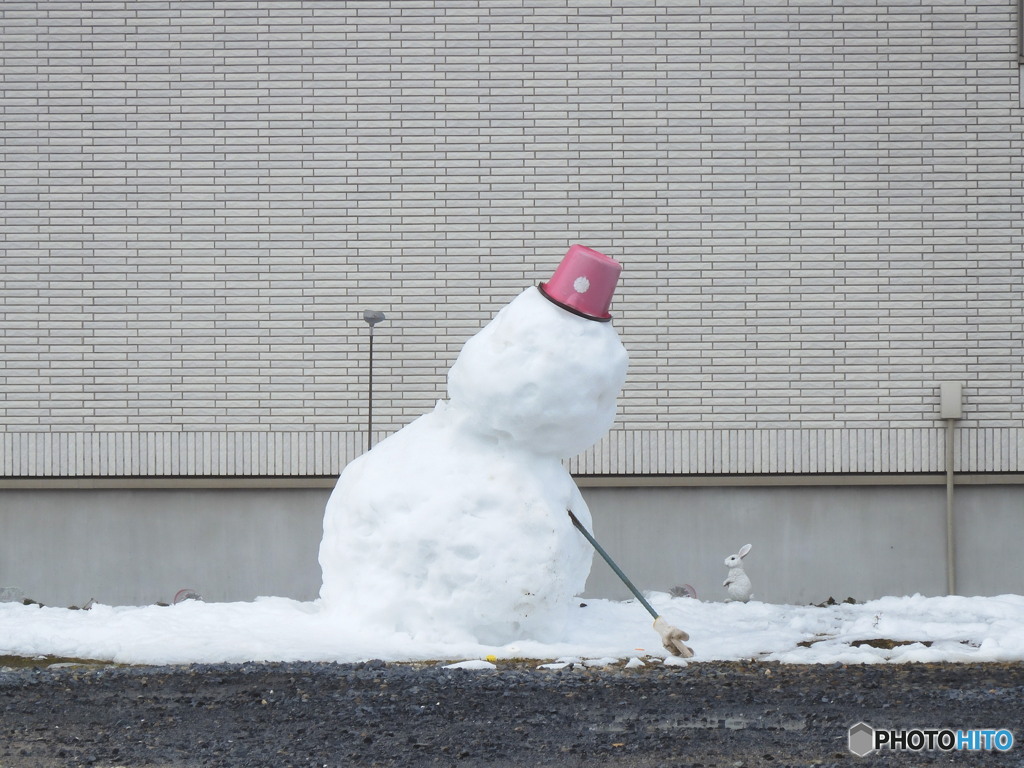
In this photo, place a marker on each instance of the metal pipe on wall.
(950, 527)
(1020, 31)
(951, 408)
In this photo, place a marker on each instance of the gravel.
(377, 714)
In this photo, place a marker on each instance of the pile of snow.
(920, 629)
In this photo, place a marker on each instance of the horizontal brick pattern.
(802, 451)
(162, 454)
(818, 207)
(621, 452)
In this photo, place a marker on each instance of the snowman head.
(540, 376)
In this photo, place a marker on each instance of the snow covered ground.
(277, 629)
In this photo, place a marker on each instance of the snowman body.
(455, 527)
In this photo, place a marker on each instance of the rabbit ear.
(745, 549)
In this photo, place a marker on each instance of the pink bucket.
(584, 283)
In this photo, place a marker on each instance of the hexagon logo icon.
(862, 739)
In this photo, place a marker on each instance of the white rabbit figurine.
(737, 582)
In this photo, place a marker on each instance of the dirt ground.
(376, 714)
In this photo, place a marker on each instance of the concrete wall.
(134, 547)
(140, 546)
(810, 543)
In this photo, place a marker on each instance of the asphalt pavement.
(377, 714)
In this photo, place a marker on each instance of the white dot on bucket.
(581, 284)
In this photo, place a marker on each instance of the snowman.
(455, 527)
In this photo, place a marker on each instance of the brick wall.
(818, 207)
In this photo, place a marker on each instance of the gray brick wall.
(818, 207)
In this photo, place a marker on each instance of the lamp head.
(372, 317)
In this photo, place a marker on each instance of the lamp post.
(371, 318)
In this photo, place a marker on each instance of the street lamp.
(371, 318)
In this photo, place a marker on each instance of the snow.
(472, 664)
(541, 377)
(924, 629)
(456, 525)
